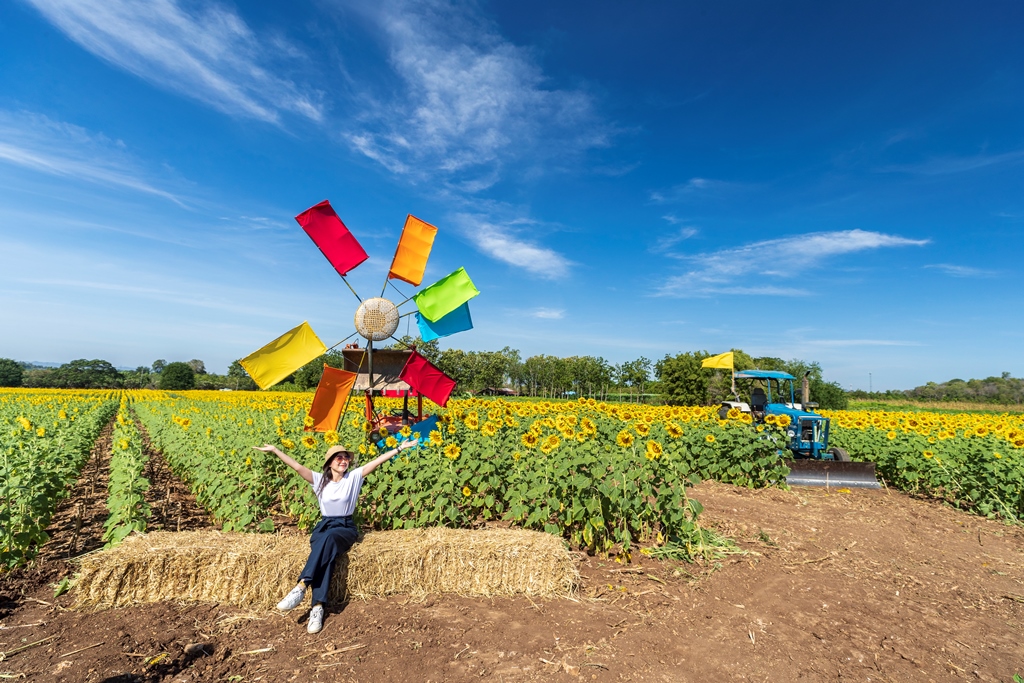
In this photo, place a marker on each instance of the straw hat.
(334, 450)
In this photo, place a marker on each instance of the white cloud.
(730, 271)
(547, 313)
(504, 244)
(671, 240)
(208, 53)
(61, 149)
(961, 271)
(691, 187)
(469, 100)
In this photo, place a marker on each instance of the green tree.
(239, 378)
(198, 366)
(86, 374)
(159, 365)
(139, 378)
(177, 377)
(683, 381)
(10, 373)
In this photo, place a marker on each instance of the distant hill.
(1004, 390)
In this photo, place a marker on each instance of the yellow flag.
(413, 250)
(722, 360)
(283, 356)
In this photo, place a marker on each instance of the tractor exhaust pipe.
(805, 391)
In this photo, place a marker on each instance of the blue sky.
(834, 183)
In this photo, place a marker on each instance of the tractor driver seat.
(758, 400)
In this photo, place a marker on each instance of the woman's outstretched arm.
(303, 471)
(387, 455)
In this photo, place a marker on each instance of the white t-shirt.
(338, 499)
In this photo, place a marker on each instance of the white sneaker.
(293, 599)
(316, 619)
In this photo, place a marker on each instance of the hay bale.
(256, 570)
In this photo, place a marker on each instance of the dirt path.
(173, 506)
(835, 586)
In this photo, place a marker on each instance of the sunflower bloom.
(783, 420)
(624, 439)
(466, 491)
(890, 435)
(710, 438)
(309, 442)
(452, 451)
(674, 430)
(435, 438)
(529, 439)
(654, 450)
(331, 437)
(391, 442)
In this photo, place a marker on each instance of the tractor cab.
(774, 393)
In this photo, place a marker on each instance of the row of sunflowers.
(45, 439)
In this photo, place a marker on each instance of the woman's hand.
(408, 444)
(266, 448)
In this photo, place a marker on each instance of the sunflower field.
(972, 461)
(45, 439)
(603, 476)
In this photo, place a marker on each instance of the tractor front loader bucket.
(832, 473)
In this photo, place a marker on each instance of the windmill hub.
(376, 319)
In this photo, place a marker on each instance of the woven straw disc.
(376, 319)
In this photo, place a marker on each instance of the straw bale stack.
(255, 570)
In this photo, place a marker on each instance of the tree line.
(676, 380)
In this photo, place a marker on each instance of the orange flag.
(329, 400)
(413, 250)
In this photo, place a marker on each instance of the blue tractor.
(813, 463)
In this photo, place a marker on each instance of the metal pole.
(351, 290)
(369, 358)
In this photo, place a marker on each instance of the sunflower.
(248, 421)
(783, 420)
(123, 443)
(928, 454)
(452, 451)
(466, 491)
(489, 429)
(435, 438)
(550, 444)
(624, 439)
(529, 439)
(770, 419)
(41, 431)
(674, 430)
(288, 444)
(331, 437)
(588, 426)
(890, 435)
(517, 455)
(362, 449)
(733, 413)
(997, 455)
(405, 431)
(391, 442)
(307, 421)
(710, 438)
(309, 441)
(642, 428)
(654, 450)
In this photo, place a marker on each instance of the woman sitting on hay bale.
(337, 490)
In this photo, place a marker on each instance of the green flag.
(445, 295)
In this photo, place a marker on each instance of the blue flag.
(456, 321)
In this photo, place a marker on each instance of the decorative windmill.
(442, 309)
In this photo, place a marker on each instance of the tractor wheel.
(839, 454)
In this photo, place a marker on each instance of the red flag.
(330, 397)
(335, 241)
(420, 374)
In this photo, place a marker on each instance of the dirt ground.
(834, 586)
